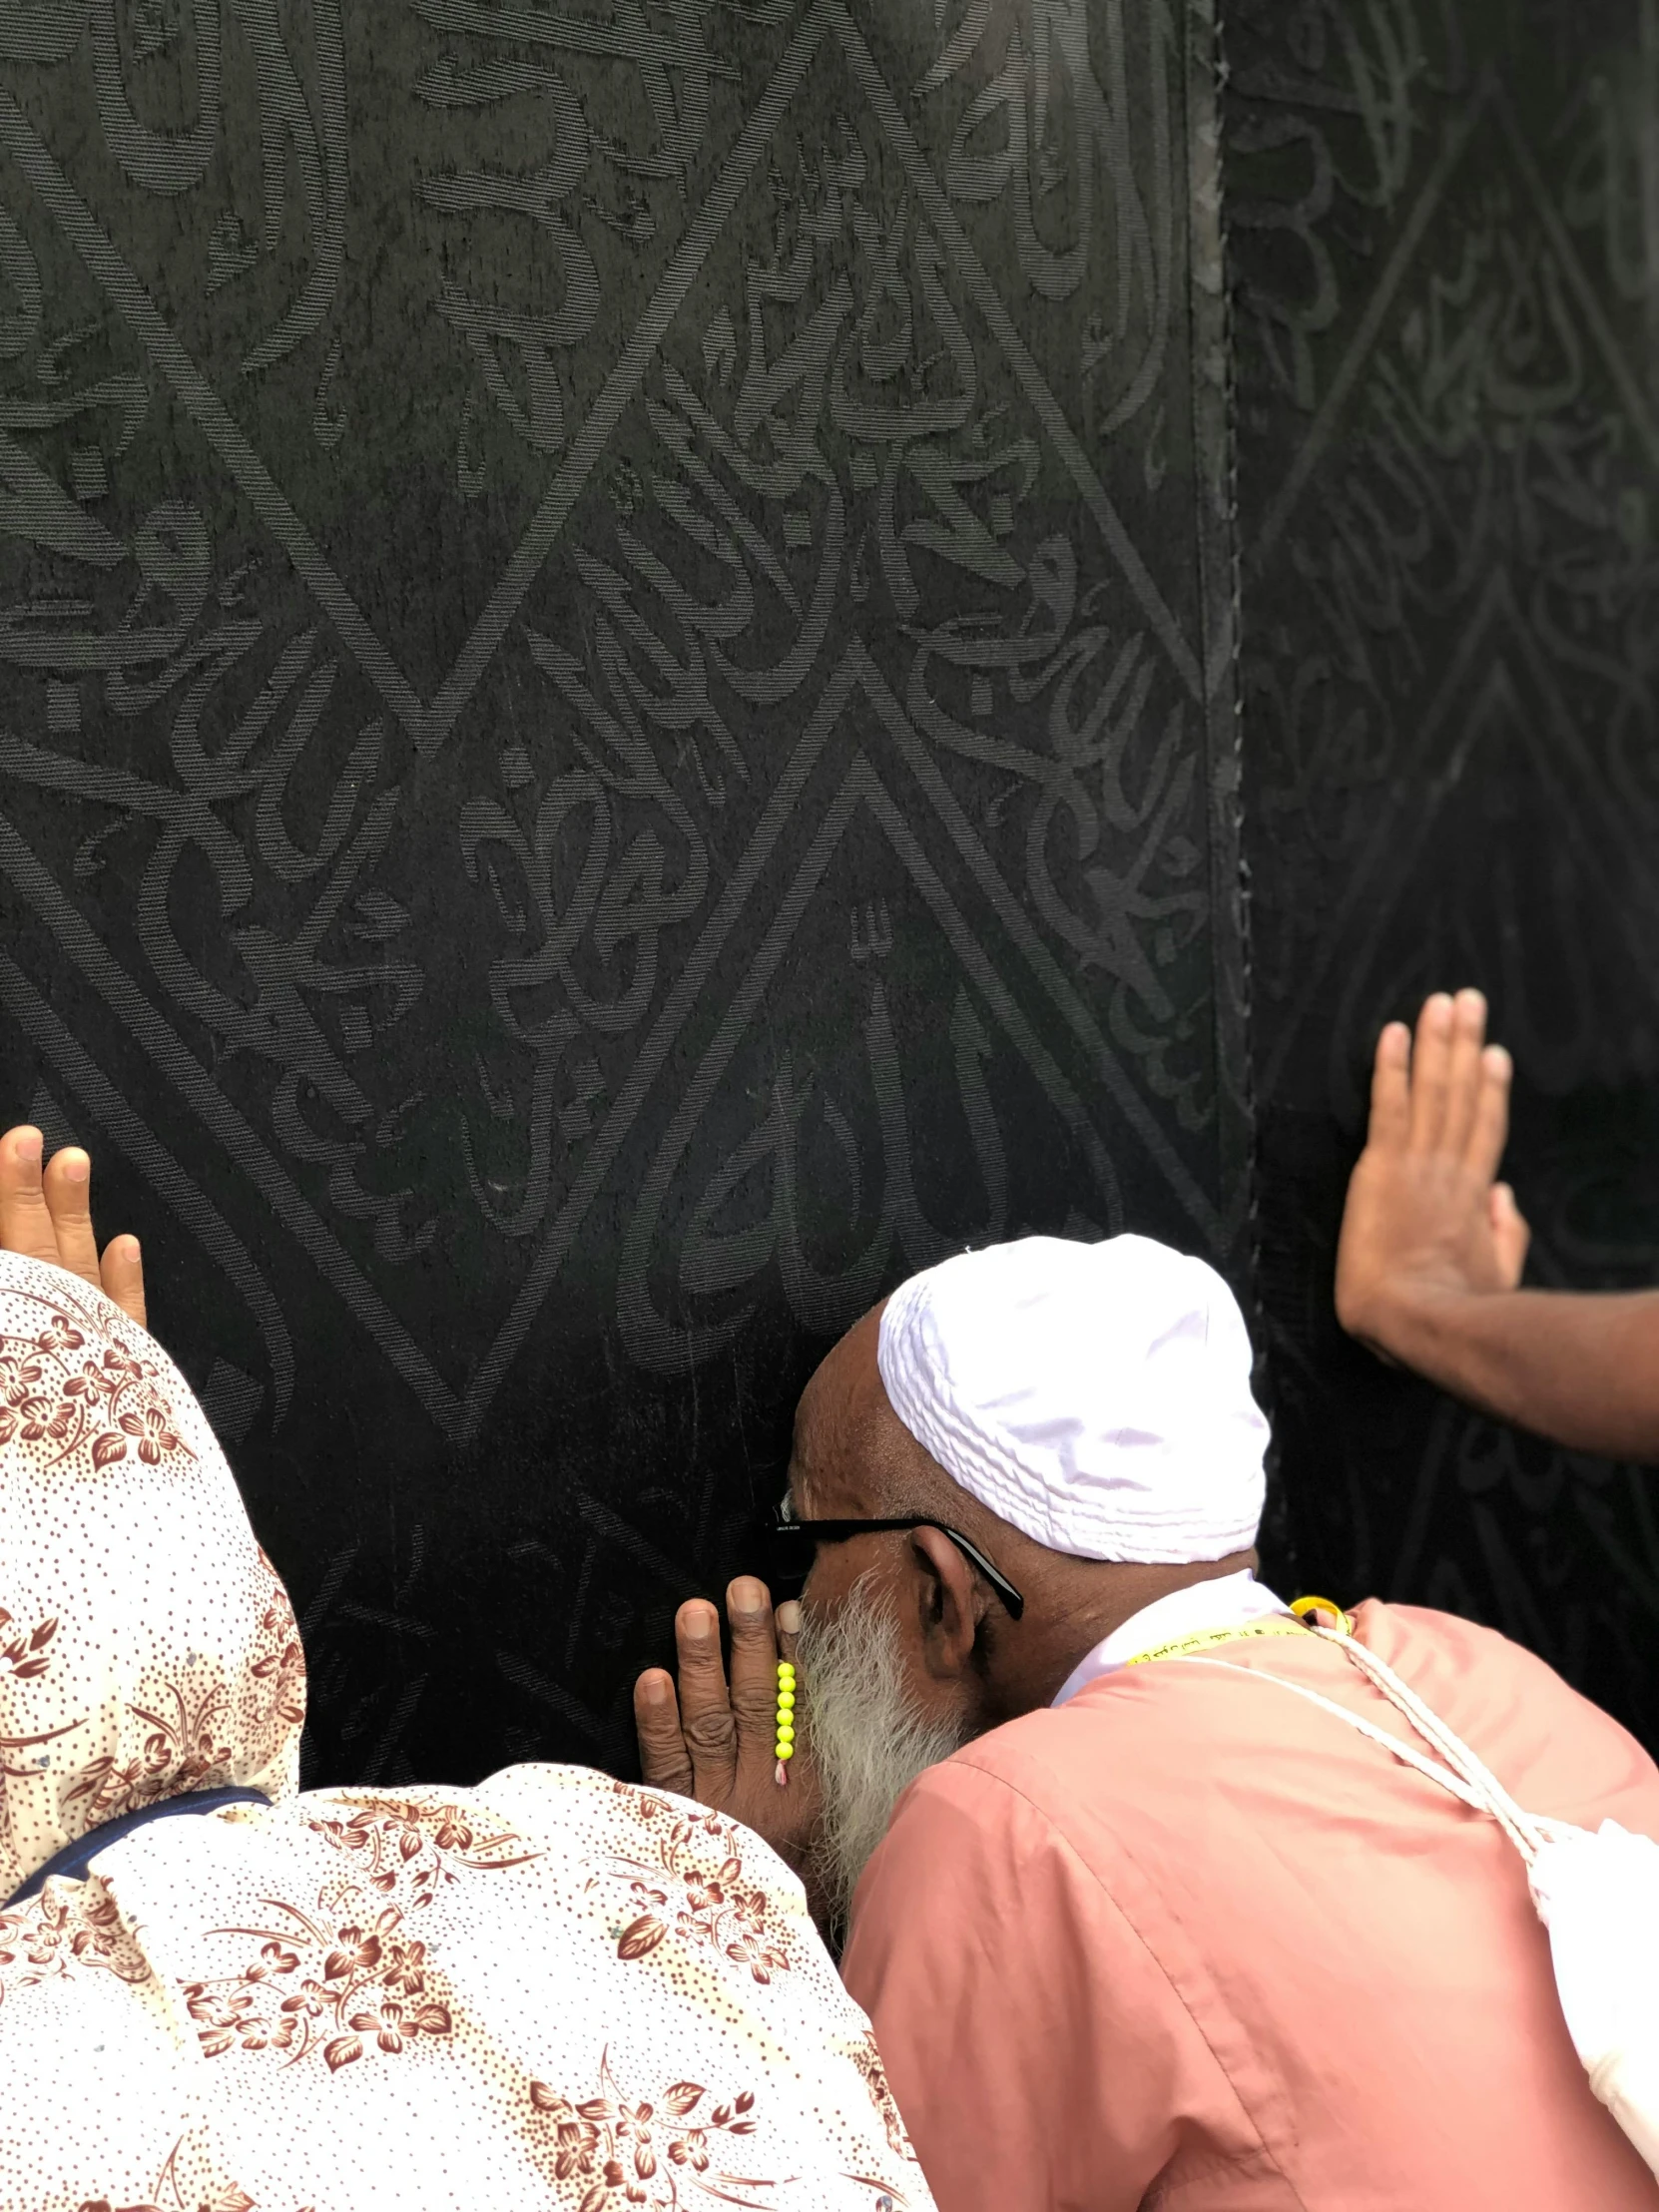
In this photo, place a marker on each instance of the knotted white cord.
(1528, 1831)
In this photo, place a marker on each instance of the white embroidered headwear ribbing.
(1096, 1396)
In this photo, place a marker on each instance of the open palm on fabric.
(46, 1214)
(1432, 1245)
(712, 1738)
(1426, 1216)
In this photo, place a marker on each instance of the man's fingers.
(664, 1760)
(754, 1667)
(1391, 1087)
(1464, 1072)
(25, 1223)
(67, 1188)
(1430, 1072)
(122, 1275)
(1489, 1129)
(706, 1717)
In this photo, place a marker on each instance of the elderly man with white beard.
(1137, 1918)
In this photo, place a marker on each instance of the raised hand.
(1426, 1220)
(46, 1214)
(712, 1740)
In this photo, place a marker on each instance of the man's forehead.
(823, 1465)
(837, 1428)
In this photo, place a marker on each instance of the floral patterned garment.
(147, 1646)
(554, 1989)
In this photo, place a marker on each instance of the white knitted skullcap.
(1096, 1396)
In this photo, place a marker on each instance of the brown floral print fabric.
(147, 1645)
(552, 1991)
(344, 2002)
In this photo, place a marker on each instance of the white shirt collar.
(1227, 1601)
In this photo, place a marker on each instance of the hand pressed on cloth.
(1426, 1219)
(46, 1214)
(712, 1740)
(1432, 1246)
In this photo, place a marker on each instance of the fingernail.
(76, 1167)
(27, 1146)
(1439, 1008)
(788, 1617)
(654, 1690)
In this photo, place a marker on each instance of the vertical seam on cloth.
(1212, 398)
(1250, 1253)
(1075, 1857)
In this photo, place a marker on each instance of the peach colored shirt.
(1188, 1942)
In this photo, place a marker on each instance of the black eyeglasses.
(794, 1544)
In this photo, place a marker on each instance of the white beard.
(867, 1741)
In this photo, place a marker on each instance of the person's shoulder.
(1140, 1720)
(1379, 1624)
(1058, 1794)
(1025, 1770)
(995, 1815)
(1430, 1648)
(1520, 1713)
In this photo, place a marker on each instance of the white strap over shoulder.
(1597, 1895)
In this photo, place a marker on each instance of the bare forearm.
(1582, 1368)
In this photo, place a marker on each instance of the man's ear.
(950, 1601)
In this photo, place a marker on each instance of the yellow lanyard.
(1203, 1639)
(1276, 1624)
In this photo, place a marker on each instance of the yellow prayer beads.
(784, 1747)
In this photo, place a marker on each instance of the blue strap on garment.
(75, 1859)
